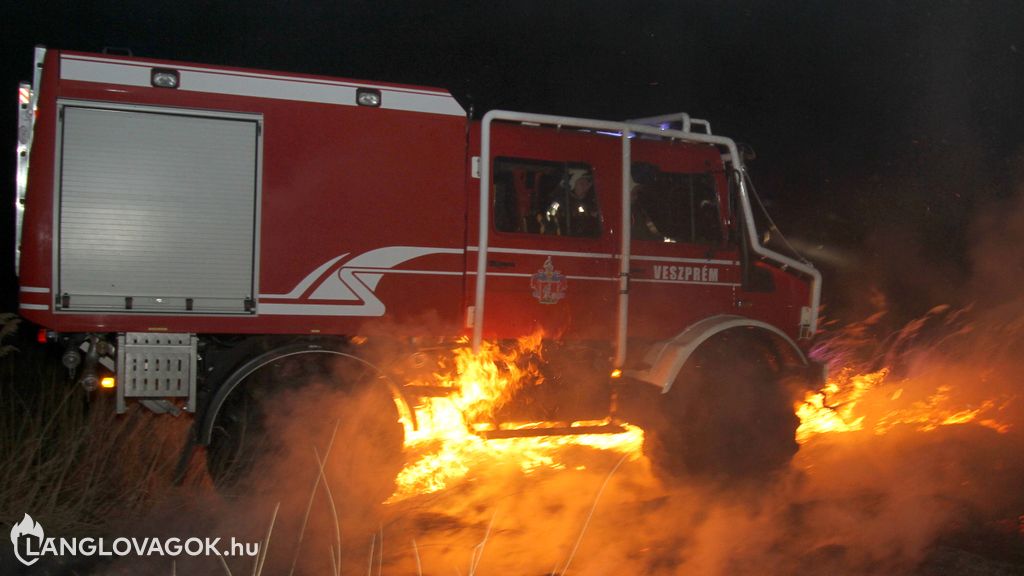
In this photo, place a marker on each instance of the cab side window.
(674, 207)
(541, 197)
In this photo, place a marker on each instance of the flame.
(845, 401)
(832, 408)
(931, 413)
(446, 442)
(951, 360)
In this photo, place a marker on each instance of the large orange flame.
(832, 409)
(444, 446)
(847, 399)
(947, 361)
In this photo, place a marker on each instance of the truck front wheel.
(728, 416)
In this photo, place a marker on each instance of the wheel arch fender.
(666, 359)
(249, 367)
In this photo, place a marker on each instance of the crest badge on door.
(548, 285)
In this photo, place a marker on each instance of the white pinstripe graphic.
(356, 280)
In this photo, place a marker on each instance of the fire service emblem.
(548, 284)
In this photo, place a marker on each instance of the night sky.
(882, 128)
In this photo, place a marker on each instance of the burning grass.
(939, 370)
(445, 446)
(909, 464)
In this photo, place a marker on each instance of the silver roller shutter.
(157, 211)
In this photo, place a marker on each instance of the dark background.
(882, 128)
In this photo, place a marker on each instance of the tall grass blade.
(590, 515)
(309, 507)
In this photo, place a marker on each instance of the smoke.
(907, 494)
(325, 460)
(998, 230)
(910, 500)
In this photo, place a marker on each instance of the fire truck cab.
(183, 227)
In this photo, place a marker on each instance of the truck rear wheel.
(728, 416)
(289, 406)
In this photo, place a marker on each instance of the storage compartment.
(158, 210)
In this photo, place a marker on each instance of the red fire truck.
(185, 228)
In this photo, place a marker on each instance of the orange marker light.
(616, 373)
(108, 382)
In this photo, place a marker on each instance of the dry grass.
(67, 458)
(78, 468)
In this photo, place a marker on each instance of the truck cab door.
(549, 241)
(684, 265)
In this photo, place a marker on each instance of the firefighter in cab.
(578, 215)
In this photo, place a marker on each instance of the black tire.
(279, 413)
(728, 416)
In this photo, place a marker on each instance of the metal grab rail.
(625, 130)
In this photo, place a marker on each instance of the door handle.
(501, 264)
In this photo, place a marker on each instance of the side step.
(550, 431)
(155, 368)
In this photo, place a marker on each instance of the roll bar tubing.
(625, 129)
